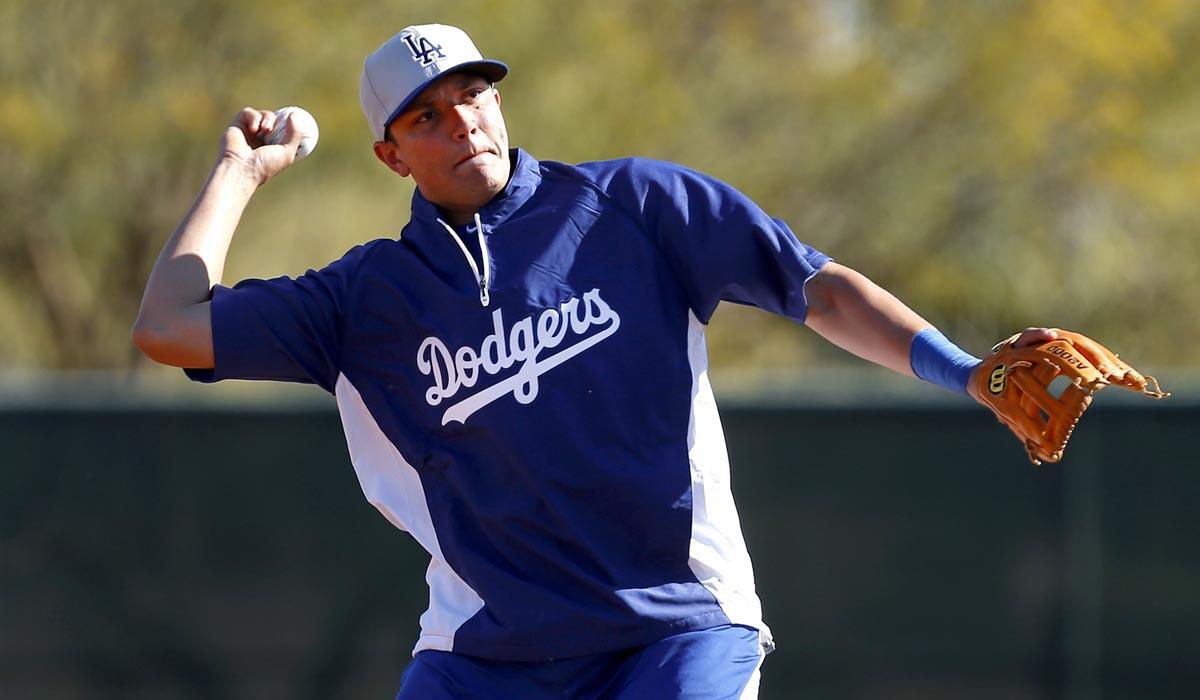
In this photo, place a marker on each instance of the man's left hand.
(1029, 336)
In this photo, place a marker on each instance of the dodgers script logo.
(522, 344)
(422, 49)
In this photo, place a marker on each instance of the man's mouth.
(472, 157)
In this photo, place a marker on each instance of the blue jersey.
(528, 397)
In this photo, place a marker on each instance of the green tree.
(996, 164)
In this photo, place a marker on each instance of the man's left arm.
(724, 247)
(859, 316)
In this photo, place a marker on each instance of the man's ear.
(385, 151)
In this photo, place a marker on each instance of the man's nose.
(464, 121)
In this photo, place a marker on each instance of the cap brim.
(493, 71)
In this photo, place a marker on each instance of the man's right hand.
(244, 144)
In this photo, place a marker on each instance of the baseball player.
(522, 379)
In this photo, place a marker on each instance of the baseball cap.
(408, 62)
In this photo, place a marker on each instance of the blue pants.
(714, 664)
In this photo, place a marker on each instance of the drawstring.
(486, 283)
(484, 280)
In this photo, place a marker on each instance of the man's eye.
(426, 116)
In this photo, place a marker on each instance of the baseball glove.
(1015, 383)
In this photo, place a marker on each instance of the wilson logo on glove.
(996, 383)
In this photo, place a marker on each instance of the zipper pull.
(484, 296)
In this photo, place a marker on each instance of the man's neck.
(458, 218)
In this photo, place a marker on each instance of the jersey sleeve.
(723, 246)
(282, 329)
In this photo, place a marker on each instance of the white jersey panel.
(717, 554)
(392, 485)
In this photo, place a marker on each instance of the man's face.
(453, 142)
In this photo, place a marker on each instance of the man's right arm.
(174, 323)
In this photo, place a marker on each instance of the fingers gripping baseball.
(246, 141)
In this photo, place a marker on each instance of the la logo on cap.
(423, 50)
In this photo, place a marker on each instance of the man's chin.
(472, 192)
(492, 173)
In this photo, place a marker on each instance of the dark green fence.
(902, 552)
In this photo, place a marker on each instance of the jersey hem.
(507, 651)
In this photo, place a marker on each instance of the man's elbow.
(821, 291)
(151, 338)
(178, 344)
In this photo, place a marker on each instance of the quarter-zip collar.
(427, 223)
(522, 183)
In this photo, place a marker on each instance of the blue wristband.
(938, 361)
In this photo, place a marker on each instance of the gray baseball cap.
(407, 63)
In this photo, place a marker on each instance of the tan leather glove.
(1015, 383)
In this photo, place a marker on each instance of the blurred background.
(996, 164)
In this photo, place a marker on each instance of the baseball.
(305, 122)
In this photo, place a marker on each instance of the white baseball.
(305, 122)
